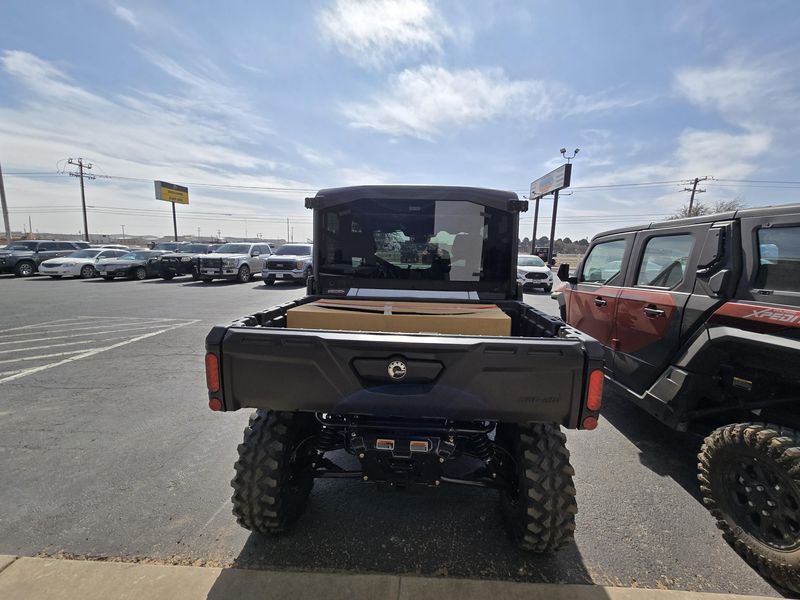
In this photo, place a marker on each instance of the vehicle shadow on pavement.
(452, 532)
(664, 451)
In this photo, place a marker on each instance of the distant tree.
(701, 208)
(567, 240)
(729, 205)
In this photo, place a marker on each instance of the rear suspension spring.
(328, 439)
(481, 447)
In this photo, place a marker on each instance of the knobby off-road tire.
(747, 468)
(541, 511)
(268, 492)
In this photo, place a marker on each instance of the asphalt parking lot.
(108, 450)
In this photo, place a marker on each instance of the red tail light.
(212, 372)
(594, 395)
(590, 422)
(215, 404)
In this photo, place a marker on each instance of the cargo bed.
(540, 373)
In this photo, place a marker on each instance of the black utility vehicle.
(412, 408)
(700, 319)
(24, 257)
(184, 261)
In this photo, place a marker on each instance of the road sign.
(172, 192)
(552, 182)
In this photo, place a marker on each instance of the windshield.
(85, 254)
(530, 261)
(167, 246)
(193, 249)
(233, 249)
(141, 255)
(23, 246)
(292, 250)
(417, 239)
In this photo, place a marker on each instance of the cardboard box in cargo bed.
(405, 317)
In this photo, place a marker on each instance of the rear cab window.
(778, 259)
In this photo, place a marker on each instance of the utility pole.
(535, 225)
(123, 233)
(30, 227)
(5, 208)
(198, 234)
(81, 166)
(694, 191)
(287, 229)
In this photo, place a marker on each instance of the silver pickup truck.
(234, 261)
(290, 262)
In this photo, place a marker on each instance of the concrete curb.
(55, 579)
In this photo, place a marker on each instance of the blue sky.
(304, 95)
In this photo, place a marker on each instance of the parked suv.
(24, 257)
(237, 261)
(290, 262)
(532, 272)
(184, 261)
(700, 319)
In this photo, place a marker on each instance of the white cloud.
(428, 100)
(185, 137)
(126, 15)
(425, 101)
(374, 32)
(751, 93)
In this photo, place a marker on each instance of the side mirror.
(563, 271)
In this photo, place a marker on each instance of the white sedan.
(533, 273)
(78, 264)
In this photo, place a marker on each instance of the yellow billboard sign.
(171, 192)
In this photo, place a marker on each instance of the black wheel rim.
(764, 501)
(25, 269)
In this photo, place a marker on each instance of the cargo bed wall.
(265, 365)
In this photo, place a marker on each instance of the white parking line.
(86, 318)
(154, 323)
(41, 356)
(45, 324)
(91, 352)
(18, 350)
(63, 337)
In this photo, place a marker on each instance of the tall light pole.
(555, 208)
(123, 232)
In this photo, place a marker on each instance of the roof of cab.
(488, 197)
(758, 211)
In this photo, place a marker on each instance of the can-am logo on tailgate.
(397, 369)
(774, 315)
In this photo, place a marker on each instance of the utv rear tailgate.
(453, 377)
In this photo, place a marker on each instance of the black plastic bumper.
(454, 377)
